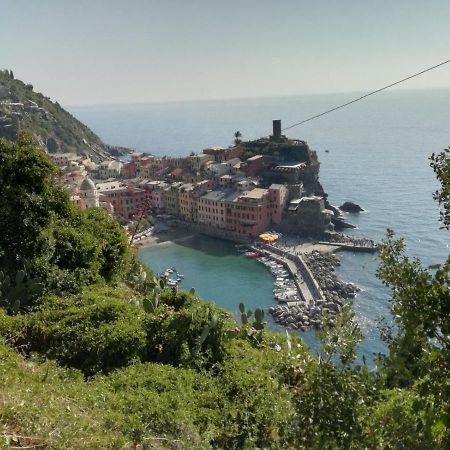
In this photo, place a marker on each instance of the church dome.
(87, 185)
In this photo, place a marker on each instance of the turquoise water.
(378, 157)
(222, 276)
(213, 267)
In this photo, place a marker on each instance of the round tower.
(88, 194)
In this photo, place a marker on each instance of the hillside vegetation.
(96, 353)
(21, 108)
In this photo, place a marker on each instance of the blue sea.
(378, 152)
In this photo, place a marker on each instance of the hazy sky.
(110, 51)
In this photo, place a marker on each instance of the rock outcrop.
(350, 207)
(336, 293)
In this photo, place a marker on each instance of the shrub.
(187, 331)
(97, 337)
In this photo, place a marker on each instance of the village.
(216, 189)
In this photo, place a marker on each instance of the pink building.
(129, 170)
(278, 196)
(154, 193)
(127, 201)
(247, 213)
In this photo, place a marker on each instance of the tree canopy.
(61, 244)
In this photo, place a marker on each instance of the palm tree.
(237, 136)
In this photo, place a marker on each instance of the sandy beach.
(173, 235)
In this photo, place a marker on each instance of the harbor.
(221, 275)
(305, 284)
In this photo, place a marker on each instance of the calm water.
(378, 157)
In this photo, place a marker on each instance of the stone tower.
(276, 130)
(89, 197)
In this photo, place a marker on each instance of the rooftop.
(111, 186)
(256, 193)
(276, 186)
(87, 185)
(215, 195)
(255, 158)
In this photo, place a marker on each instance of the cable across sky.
(365, 95)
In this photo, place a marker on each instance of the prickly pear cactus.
(19, 294)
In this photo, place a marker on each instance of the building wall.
(126, 202)
(248, 218)
(172, 201)
(278, 197)
(186, 199)
(211, 212)
(88, 199)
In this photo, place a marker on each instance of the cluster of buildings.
(244, 212)
(215, 189)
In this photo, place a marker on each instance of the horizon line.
(223, 99)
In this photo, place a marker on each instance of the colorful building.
(187, 203)
(211, 209)
(126, 200)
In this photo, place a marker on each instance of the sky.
(87, 52)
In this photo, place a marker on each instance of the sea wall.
(303, 269)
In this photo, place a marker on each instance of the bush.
(96, 337)
(174, 331)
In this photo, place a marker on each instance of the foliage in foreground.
(160, 368)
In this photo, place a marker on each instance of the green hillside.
(54, 129)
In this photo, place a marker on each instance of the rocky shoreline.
(336, 293)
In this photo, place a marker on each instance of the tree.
(441, 166)
(29, 200)
(419, 351)
(237, 137)
(65, 247)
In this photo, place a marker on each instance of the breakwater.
(328, 294)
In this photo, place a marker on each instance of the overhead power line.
(364, 96)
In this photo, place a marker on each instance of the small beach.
(173, 235)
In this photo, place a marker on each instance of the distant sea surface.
(378, 152)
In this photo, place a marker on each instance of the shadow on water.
(218, 248)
